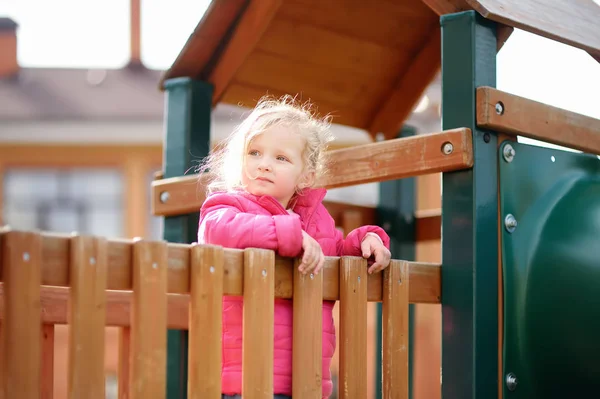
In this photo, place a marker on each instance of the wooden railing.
(92, 282)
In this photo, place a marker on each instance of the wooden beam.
(203, 46)
(387, 160)
(399, 158)
(252, 25)
(408, 90)
(571, 22)
(441, 7)
(425, 287)
(425, 277)
(521, 116)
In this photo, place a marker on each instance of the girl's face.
(273, 164)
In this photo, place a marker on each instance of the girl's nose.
(263, 166)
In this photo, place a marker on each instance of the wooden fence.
(150, 286)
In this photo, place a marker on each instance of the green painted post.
(187, 141)
(396, 214)
(469, 217)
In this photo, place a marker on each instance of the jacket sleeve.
(223, 222)
(350, 246)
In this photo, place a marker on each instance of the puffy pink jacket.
(242, 220)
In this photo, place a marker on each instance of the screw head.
(511, 381)
(508, 152)
(510, 223)
(499, 108)
(164, 196)
(447, 148)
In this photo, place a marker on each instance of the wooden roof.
(367, 63)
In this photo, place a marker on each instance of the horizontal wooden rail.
(516, 115)
(381, 161)
(55, 264)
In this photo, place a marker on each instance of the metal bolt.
(212, 269)
(164, 196)
(155, 266)
(359, 279)
(26, 256)
(511, 381)
(312, 276)
(92, 261)
(499, 108)
(486, 137)
(447, 148)
(510, 223)
(508, 152)
(264, 272)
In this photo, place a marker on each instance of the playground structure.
(503, 282)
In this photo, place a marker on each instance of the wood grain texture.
(536, 120)
(571, 22)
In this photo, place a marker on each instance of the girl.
(261, 195)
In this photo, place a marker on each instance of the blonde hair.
(224, 167)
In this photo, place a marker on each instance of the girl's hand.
(313, 258)
(373, 246)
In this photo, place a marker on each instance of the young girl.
(261, 196)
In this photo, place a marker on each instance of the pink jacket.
(242, 220)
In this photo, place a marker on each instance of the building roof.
(366, 63)
(81, 94)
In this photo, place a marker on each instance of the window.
(88, 201)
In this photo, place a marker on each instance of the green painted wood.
(469, 217)
(187, 142)
(551, 268)
(395, 213)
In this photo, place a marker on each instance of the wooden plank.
(203, 45)
(87, 313)
(395, 330)
(425, 277)
(387, 160)
(351, 57)
(205, 326)
(376, 22)
(340, 88)
(47, 378)
(353, 328)
(21, 325)
(404, 95)
(248, 31)
(442, 7)
(571, 22)
(258, 334)
(149, 321)
(124, 365)
(247, 95)
(307, 347)
(536, 120)
(399, 158)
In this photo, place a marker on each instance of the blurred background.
(81, 119)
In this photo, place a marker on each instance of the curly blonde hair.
(224, 167)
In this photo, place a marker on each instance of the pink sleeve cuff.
(289, 235)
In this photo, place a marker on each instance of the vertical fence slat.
(259, 308)
(22, 327)
(206, 303)
(307, 369)
(353, 328)
(87, 316)
(124, 362)
(149, 321)
(47, 379)
(395, 330)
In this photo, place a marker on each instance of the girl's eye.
(253, 152)
(281, 158)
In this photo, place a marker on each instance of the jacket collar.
(304, 204)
